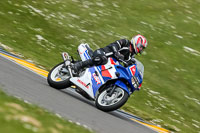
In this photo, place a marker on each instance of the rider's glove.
(119, 56)
(130, 62)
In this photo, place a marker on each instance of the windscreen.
(140, 67)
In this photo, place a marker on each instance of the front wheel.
(59, 76)
(107, 103)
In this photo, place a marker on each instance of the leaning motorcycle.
(109, 85)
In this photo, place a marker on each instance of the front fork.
(111, 91)
(67, 62)
(123, 86)
(120, 84)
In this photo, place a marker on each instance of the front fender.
(122, 85)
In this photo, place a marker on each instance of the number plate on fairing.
(133, 70)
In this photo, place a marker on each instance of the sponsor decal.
(96, 78)
(132, 69)
(84, 84)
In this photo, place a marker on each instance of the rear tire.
(107, 103)
(59, 79)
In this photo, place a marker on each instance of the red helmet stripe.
(138, 41)
(144, 40)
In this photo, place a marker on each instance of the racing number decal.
(96, 78)
(132, 69)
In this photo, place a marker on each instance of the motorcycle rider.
(121, 50)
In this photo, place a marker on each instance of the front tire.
(59, 76)
(109, 103)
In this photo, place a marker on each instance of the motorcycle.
(109, 85)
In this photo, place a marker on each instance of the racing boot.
(76, 67)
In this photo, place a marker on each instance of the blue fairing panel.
(123, 72)
(126, 74)
(122, 85)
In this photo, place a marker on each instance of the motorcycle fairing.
(128, 73)
(84, 82)
(102, 73)
(108, 70)
(90, 82)
(133, 71)
(124, 75)
(96, 79)
(83, 51)
(123, 86)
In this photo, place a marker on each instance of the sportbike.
(109, 85)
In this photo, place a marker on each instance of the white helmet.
(139, 43)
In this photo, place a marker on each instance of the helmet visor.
(140, 48)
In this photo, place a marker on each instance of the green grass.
(17, 116)
(170, 92)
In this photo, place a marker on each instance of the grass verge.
(17, 116)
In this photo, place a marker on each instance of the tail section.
(83, 50)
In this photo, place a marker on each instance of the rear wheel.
(59, 76)
(107, 103)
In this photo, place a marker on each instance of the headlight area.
(135, 82)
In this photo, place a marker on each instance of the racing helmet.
(138, 43)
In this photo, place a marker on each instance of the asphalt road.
(20, 82)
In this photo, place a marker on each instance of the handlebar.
(123, 62)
